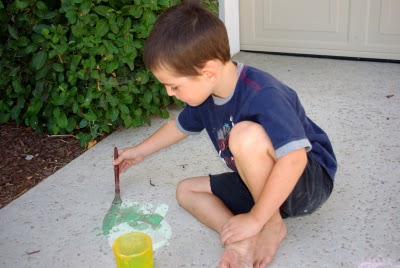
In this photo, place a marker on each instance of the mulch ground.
(26, 158)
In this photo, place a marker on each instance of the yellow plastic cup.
(133, 249)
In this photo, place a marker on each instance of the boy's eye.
(174, 88)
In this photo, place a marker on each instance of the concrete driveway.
(58, 223)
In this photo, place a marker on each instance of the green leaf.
(112, 100)
(92, 62)
(62, 120)
(104, 11)
(56, 112)
(114, 114)
(34, 122)
(133, 89)
(21, 101)
(35, 106)
(22, 41)
(55, 128)
(50, 15)
(58, 67)
(94, 74)
(75, 60)
(112, 66)
(17, 86)
(127, 26)
(136, 11)
(42, 72)
(41, 29)
(142, 77)
(4, 117)
(164, 113)
(101, 28)
(40, 5)
(30, 48)
(113, 82)
(84, 139)
(71, 15)
(138, 111)
(138, 43)
(71, 124)
(149, 18)
(21, 4)
(148, 96)
(85, 7)
(90, 116)
(123, 108)
(15, 112)
(128, 120)
(137, 121)
(77, 29)
(126, 99)
(39, 59)
(75, 107)
(55, 39)
(12, 31)
(84, 123)
(113, 24)
(163, 2)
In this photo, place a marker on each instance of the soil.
(27, 158)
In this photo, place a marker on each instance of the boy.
(282, 163)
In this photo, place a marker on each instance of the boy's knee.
(249, 136)
(181, 191)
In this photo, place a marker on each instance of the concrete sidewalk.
(57, 223)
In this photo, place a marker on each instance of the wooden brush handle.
(116, 171)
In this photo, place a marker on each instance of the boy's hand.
(240, 227)
(128, 157)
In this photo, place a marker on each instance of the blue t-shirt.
(260, 98)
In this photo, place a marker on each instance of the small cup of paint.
(133, 249)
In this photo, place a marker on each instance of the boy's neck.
(227, 79)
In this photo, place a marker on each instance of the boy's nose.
(169, 91)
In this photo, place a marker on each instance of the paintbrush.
(116, 177)
(109, 219)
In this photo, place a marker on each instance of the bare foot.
(239, 254)
(269, 239)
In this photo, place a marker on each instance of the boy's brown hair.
(184, 38)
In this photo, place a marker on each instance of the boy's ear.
(209, 71)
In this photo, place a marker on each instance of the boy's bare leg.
(269, 239)
(254, 158)
(195, 196)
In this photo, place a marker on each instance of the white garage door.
(355, 28)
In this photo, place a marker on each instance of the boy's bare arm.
(165, 136)
(284, 176)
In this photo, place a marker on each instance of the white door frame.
(229, 14)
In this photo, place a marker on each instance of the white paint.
(229, 14)
(159, 237)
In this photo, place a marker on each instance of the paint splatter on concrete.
(134, 217)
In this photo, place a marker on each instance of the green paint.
(111, 216)
(133, 215)
(153, 219)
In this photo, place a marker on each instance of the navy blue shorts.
(311, 191)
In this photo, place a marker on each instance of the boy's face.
(193, 90)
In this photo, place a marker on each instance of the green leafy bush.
(76, 66)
